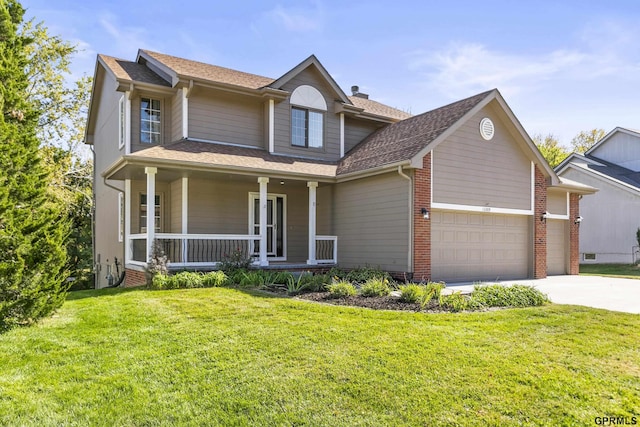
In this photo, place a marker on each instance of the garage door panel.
(556, 246)
(479, 246)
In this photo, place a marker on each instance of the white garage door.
(556, 247)
(467, 247)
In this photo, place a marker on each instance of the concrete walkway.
(591, 291)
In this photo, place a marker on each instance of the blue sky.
(562, 66)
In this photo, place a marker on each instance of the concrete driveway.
(591, 291)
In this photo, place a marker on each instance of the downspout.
(410, 246)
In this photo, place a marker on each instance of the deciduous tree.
(551, 149)
(586, 139)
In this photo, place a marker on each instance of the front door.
(276, 224)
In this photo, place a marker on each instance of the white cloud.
(125, 41)
(298, 19)
(462, 69)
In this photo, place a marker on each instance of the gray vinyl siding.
(107, 246)
(557, 203)
(236, 119)
(165, 118)
(355, 131)
(176, 116)
(621, 149)
(468, 170)
(331, 148)
(610, 220)
(371, 222)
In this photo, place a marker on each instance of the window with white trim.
(306, 128)
(143, 214)
(308, 108)
(120, 217)
(121, 122)
(150, 121)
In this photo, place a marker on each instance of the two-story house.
(292, 171)
(612, 216)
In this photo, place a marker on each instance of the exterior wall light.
(425, 213)
(544, 216)
(578, 220)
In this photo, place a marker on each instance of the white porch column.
(151, 207)
(312, 222)
(185, 216)
(263, 181)
(127, 221)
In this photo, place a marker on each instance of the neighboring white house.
(611, 217)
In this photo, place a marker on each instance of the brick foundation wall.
(574, 234)
(540, 227)
(421, 226)
(134, 278)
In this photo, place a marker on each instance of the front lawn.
(631, 271)
(222, 356)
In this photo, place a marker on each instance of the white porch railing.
(327, 249)
(194, 250)
(200, 250)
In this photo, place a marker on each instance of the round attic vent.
(486, 129)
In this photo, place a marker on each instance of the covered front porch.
(203, 218)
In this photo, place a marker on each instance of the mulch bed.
(376, 303)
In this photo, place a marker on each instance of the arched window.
(308, 107)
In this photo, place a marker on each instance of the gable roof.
(201, 71)
(310, 61)
(621, 176)
(608, 136)
(404, 140)
(131, 71)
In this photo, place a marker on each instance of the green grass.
(630, 271)
(224, 357)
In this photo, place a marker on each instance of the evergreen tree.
(33, 227)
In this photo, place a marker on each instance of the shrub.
(454, 302)
(411, 292)
(214, 279)
(362, 274)
(432, 291)
(251, 279)
(375, 288)
(508, 296)
(337, 273)
(341, 289)
(296, 286)
(160, 281)
(237, 259)
(187, 280)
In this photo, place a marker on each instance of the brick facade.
(422, 226)
(134, 278)
(540, 227)
(574, 234)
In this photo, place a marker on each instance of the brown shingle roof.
(128, 70)
(403, 140)
(202, 71)
(374, 107)
(236, 157)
